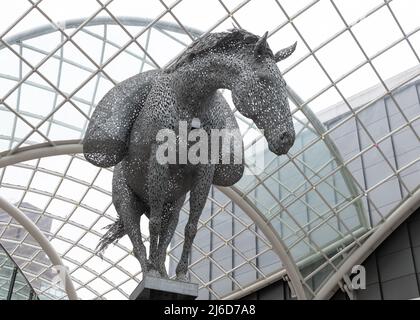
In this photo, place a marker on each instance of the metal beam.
(40, 151)
(74, 23)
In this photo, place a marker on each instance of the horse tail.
(115, 232)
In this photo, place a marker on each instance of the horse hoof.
(164, 274)
(153, 273)
(182, 277)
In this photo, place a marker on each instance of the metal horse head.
(244, 63)
(247, 67)
(259, 91)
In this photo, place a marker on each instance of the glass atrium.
(306, 217)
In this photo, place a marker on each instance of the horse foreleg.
(157, 179)
(169, 224)
(198, 198)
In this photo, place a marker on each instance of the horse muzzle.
(280, 141)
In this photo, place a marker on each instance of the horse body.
(214, 113)
(126, 122)
(162, 110)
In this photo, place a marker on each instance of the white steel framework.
(314, 208)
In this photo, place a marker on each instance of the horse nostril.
(286, 137)
(283, 136)
(280, 142)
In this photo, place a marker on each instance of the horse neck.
(199, 80)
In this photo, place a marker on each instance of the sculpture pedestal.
(151, 288)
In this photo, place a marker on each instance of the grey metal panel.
(414, 229)
(397, 241)
(414, 217)
(401, 289)
(253, 296)
(371, 270)
(396, 265)
(274, 291)
(418, 283)
(416, 257)
(339, 295)
(372, 292)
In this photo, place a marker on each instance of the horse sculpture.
(123, 128)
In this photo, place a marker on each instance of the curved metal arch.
(74, 146)
(43, 242)
(381, 233)
(41, 150)
(74, 23)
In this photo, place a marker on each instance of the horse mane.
(216, 41)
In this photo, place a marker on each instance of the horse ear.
(261, 45)
(285, 53)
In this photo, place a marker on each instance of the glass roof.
(55, 66)
(13, 284)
